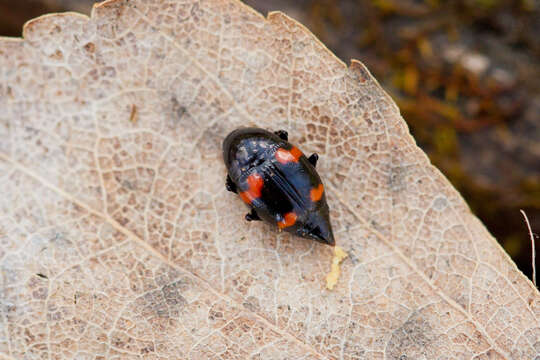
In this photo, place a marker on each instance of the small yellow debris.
(333, 275)
(133, 114)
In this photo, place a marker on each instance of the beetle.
(278, 182)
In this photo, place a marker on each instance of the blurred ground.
(465, 74)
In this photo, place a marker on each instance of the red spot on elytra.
(316, 193)
(285, 156)
(255, 184)
(288, 220)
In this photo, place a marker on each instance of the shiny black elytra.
(278, 183)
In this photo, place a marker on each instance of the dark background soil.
(464, 73)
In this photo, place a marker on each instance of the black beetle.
(278, 183)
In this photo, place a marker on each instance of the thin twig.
(532, 245)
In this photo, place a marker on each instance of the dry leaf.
(118, 238)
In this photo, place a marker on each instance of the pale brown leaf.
(119, 240)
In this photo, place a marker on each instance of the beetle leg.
(252, 216)
(313, 159)
(230, 185)
(282, 134)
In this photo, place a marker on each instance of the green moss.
(513, 245)
(486, 4)
(445, 141)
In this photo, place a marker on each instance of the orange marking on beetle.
(296, 153)
(316, 193)
(288, 220)
(255, 184)
(285, 156)
(245, 197)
